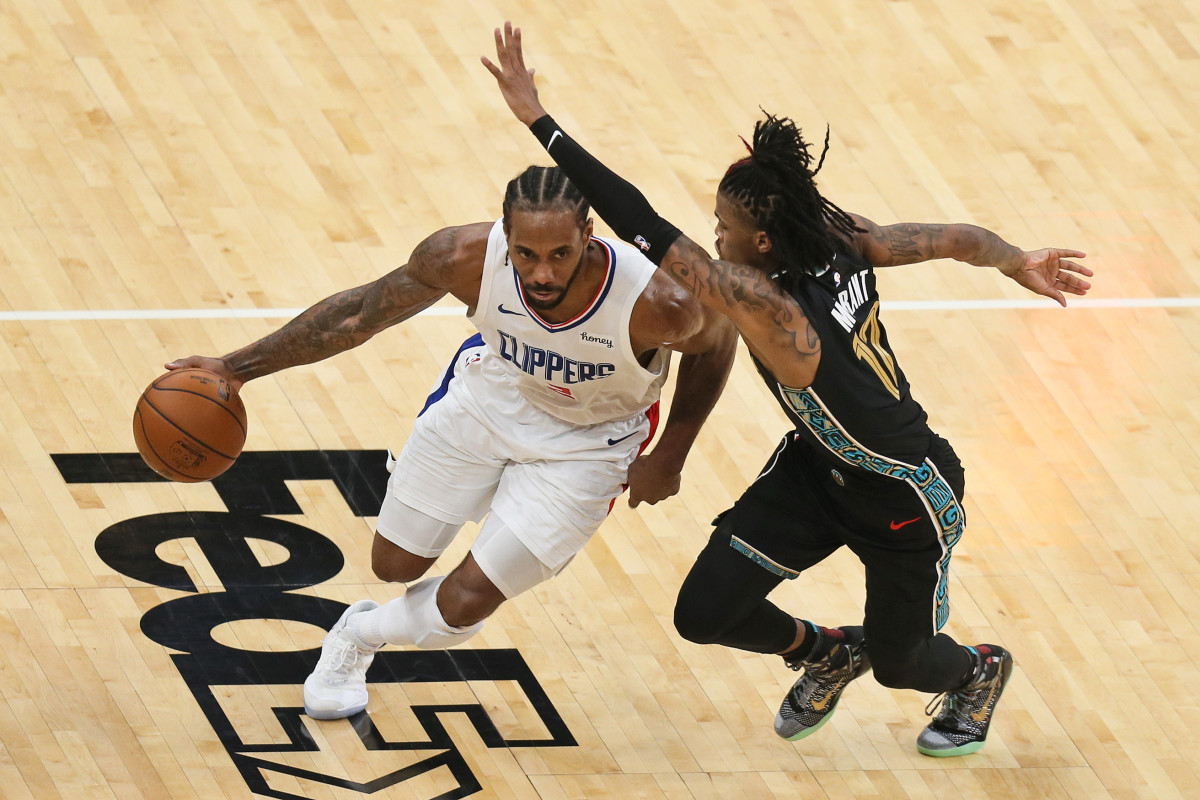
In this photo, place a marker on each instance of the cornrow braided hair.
(776, 187)
(543, 188)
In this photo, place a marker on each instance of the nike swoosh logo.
(819, 705)
(611, 442)
(898, 525)
(981, 714)
(504, 310)
(553, 136)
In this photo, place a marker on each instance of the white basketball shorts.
(480, 446)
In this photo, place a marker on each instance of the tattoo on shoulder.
(434, 259)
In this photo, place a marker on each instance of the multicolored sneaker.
(831, 666)
(961, 727)
(338, 686)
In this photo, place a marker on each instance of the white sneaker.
(338, 686)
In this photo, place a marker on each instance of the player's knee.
(895, 670)
(695, 621)
(467, 596)
(395, 564)
(394, 571)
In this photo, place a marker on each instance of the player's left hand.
(649, 481)
(1048, 272)
(515, 80)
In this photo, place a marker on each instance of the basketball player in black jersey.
(862, 468)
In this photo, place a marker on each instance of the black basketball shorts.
(902, 526)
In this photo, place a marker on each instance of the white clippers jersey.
(584, 370)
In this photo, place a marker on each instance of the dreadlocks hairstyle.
(775, 186)
(543, 188)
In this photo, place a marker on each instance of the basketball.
(189, 425)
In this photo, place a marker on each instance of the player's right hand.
(216, 365)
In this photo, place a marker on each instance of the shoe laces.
(953, 699)
(339, 659)
(937, 699)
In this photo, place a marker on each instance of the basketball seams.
(175, 431)
(202, 396)
(162, 462)
(189, 434)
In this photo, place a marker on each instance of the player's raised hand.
(514, 79)
(1048, 272)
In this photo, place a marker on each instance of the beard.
(553, 301)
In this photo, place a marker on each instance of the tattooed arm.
(773, 325)
(1045, 272)
(771, 322)
(449, 261)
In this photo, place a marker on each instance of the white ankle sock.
(412, 619)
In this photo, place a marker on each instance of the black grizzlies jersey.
(859, 410)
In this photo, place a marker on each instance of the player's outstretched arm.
(1047, 272)
(772, 323)
(449, 261)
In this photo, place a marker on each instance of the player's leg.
(909, 653)
(447, 610)
(446, 474)
(337, 686)
(777, 529)
(723, 601)
(553, 510)
(907, 557)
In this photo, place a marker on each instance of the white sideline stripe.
(288, 313)
(181, 313)
(1072, 302)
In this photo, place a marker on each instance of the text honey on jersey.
(552, 366)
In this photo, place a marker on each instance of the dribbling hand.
(216, 365)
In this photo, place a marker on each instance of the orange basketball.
(189, 425)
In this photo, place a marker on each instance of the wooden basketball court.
(180, 177)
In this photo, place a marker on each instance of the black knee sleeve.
(723, 601)
(934, 665)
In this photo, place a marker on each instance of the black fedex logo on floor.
(252, 489)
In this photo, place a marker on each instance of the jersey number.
(869, 348)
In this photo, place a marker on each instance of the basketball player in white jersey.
(537, 423)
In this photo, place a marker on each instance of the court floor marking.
(77, 315)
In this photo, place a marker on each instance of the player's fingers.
(508, 36)
(518, 51)
(1073, 284)
(1070, 253)
(1080, 268)
(492, 68)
